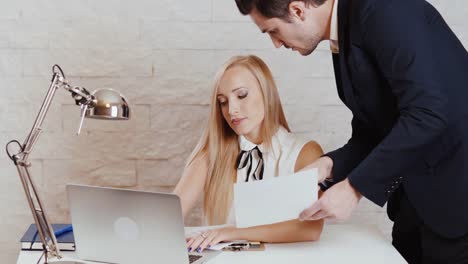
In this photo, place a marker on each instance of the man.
(404, 75)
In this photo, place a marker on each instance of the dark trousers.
(416, 242)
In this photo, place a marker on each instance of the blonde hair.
(219, 143)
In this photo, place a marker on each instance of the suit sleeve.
(398, 38)
(346, 158)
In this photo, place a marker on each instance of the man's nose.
(278, 43)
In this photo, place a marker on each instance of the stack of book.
(32, 241)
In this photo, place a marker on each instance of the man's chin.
(306, 52)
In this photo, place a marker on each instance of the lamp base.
(66, 260)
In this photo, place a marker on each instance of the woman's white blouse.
(280, 160)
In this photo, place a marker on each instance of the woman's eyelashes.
(241, 95)
(222, 102)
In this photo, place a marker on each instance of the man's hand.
(337, 203)
(324, 166)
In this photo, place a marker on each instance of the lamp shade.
(108, 104)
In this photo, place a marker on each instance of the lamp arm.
(80, 94)
(36, 129)
(44, 228)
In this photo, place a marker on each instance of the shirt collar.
(280, 136)
(334, 28)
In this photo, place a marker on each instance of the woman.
(247, 139)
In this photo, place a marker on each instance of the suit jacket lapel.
(343, 41)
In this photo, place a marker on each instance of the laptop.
(124, 226)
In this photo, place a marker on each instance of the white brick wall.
(162, 55)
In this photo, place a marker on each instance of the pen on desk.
(64, 230)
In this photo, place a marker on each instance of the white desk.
(338, 244)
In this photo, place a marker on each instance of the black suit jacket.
(404, 75)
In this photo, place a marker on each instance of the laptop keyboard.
(193, 258)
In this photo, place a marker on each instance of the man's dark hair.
(271, 8)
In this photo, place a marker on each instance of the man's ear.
(297, 10)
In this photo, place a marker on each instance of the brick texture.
(162, 55)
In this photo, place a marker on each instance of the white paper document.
(274, 200)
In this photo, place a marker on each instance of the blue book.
(32, 241)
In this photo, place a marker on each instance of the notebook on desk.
(32, 241)
(125, 226)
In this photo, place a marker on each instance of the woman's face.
(241, 102)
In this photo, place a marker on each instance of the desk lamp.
(101, 104)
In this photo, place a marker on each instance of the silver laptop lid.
(125, 226)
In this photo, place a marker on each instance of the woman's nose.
(233, 109)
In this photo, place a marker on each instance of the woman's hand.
(209, 238)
